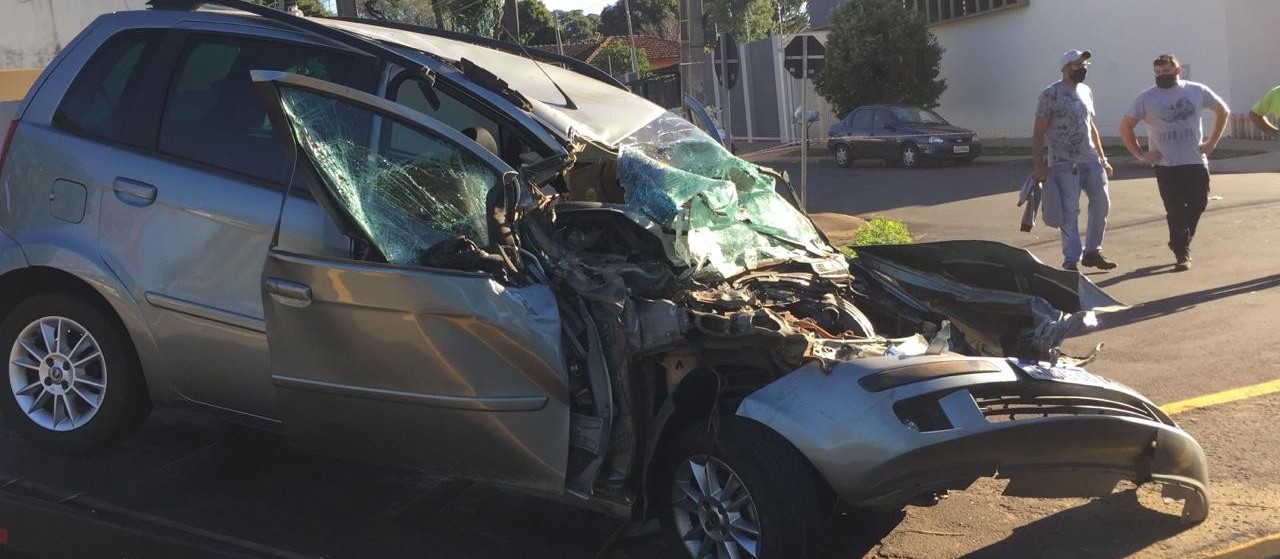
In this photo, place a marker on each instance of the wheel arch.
(22, 283)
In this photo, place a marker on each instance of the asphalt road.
(1187, 334)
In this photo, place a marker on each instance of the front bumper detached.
(885, 430)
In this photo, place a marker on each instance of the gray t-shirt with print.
(1173, 124)
(1068, 110)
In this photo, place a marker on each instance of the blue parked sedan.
(900, 134)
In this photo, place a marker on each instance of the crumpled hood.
(604, 113)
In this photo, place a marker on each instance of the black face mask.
(1078, 74)
(1165, 81)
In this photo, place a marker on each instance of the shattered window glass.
(405, 195)
(727, 214)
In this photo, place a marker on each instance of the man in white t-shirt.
(1171, 110)
(1075, 162)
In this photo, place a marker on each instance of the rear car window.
(96, 104)
(212, 114)
(861, 119)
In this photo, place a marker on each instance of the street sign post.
(726, 64)
(803, 57)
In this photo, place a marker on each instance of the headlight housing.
(936, 140)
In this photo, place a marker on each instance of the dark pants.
(1185, 192)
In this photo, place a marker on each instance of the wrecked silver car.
(501, 266)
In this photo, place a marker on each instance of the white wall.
(1253, 41)
(33, 31)
(995, 65)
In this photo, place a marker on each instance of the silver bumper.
(885, 430)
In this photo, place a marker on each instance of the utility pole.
(635, 66)
(511, 20)
(346, 8)
(559, 45)
(692, 49)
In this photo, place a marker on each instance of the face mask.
(1078, 74)
(1165, 81)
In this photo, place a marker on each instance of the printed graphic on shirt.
(1180, 110)
(1068, 135)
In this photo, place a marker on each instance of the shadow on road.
(1143, 272)
(1178, 303)
(855, 534)
(1112, 527)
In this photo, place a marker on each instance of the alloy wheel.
(57, 373)
(909, 157)
(714, 513)
(842, 156)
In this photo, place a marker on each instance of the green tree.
(615, 58)
(747, 20)
(308, 7)
(648, 17)
(880, 51)
(537, 25)
(415, 12)
(477, 17)
(576, 26)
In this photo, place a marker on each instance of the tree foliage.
(648, 17)
(749, 20)
(477, 17)
(576, 26)
(615, 58)
(537, 25)
(308, 7)
(880, 52)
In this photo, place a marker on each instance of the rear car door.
(187, 220)
(884, 142)
(859, 133)
(407, 351)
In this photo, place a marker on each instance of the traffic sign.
(800, 49)
(726, 61)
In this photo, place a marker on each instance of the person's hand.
(1106, 166)
(1151, 157)
(1207, 148)
(1040, 172)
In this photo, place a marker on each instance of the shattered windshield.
(405, 188)
(727, 214)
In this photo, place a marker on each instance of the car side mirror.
(890, 127)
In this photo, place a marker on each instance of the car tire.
(909, 156)
(775, 489)
(75, 385)
(844, 157)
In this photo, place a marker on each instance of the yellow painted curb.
(1223, 397)
(15, 83)
(1266, 547)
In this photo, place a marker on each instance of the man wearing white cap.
(1075, 162)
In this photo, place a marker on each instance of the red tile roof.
(661, 52)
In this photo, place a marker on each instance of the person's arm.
(1266, 127)
(1097, 142)
(1131, 142)
(1220, 114)
(1040, 170)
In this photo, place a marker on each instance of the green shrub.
(879, 231)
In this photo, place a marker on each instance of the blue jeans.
(1072, 178)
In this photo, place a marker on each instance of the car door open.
(428, 346)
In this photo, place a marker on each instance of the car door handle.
(289, 293)
(133, 192)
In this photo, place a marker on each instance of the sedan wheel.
(57, 373)
(843, 157)
(910, 156)
(74, 380)
(713, 511)
(746, 493)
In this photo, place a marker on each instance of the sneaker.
(1183, 264)
(1096, 260)
(1070, 266)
